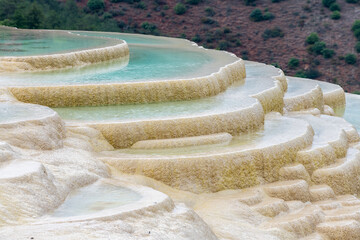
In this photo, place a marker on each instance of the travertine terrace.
(141, 137)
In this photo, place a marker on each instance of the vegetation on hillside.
(52, 14)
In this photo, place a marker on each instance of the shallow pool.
(352, 110)
(151, 59)
(15, 42)
(95, 198)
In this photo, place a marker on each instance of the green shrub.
(357, 34)
(335, 7)
(107, 15)
(196, 38)
(149, 26)
(256, 15)
(227, 30)
(141, 5)
(318, 48)
(327, 3)
(312, 73)
(352, 1)
(312, 38)
(328, 53)
(309, 73)
(193, 2)
(350, 58)
(357, 47)
(209, 12)
(268, 16)
(179, 9)
(249, 2)
(95, 5)
(355, 26)
(293, 63)
(336, 15)
(300, 74)
(275, 64)
(272, 33)
(223, 45)
(356, 92)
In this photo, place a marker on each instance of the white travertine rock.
(86, 138)
(43, 163)
(289, 190)
(344, 230)
(328, 204)
(343, 176)
(293, 172)
(330, 142)
(153, 216)
(218, 138)
(334, 95)
(6, 153)
(271, 207)
(63, 60)
(6, 96)
(348, 200)
(328, 110)
(307, 95)
(133, 92)
(351, 133)
(301, 223)
(26, 190)
(321, 193)
(37, 127)
(345, 213)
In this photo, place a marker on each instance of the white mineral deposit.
(142, 137)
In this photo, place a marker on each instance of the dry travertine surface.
(309, 202)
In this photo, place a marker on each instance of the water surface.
(352, 110)
(95, 198)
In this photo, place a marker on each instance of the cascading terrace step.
(303, 94)
(246, 160)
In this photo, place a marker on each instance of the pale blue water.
(129, 38)
(152, 61)
(145, 64)
(297, 86)
(234, 98)
(28, 43)
(352, 110)
(95, 198)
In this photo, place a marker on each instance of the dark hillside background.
(271, 31)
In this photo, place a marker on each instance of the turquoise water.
(135, 112)
(151, 61)
(234, 98)
(29, 43)
(95, 198)
(352, 110)
(145, 63)
(130, 38)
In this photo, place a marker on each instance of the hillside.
(277, 35)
